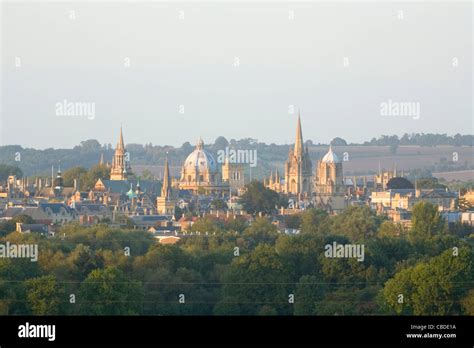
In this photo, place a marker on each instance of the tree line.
(242, 269)
(88, 152)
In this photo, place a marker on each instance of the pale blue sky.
(190, 62)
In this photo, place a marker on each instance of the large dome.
(331, 157)
(200, 160)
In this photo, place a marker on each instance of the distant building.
(468, 218)
(382, 178)
(298, 167)
(297, 180)
(166, 203)
(59, 213)
(56, 190)
(121, 169)
(407, 198)
(200, 173)
(329, 187)
(234, 175)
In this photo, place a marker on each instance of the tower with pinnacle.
(165, 203)
(121, 169)
(298, 167)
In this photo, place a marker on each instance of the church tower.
(329, 180)
(120, 166)
(298, 168)
(328, 183)
(233, 173)
(165, 204)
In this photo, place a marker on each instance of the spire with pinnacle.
(166, 189)
(120, 167)
(120, 144)
(298, 151)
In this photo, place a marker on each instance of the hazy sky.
(186, 54)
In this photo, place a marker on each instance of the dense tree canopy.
(6, 171)
(259, 199)
(239, 268)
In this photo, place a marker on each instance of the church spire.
(166, 189)
(298, 152)
(120, 144)
(120, 168)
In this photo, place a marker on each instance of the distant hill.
(430, 152)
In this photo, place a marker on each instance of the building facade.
(121, 169)
(200, 173)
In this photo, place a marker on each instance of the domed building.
(328, 179)
(200, 172)
(329, 183)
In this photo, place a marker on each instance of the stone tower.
(120, 166)
(298, 168)
(234, 174)
(165, 204)
(329, 179)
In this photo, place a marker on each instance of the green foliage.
(338, 142)
(241, 269)
(399, 183)
(207, 224)
(429, 183)
(256, 283)
(258, 198)
(390, 229)
(6, 171)
(9, 226)
(218, 204)
(426, 222)
(309, 292)
(293, 221)
(86, 178)
(356, 223)
(261, 231)
(77, 173)
(44, 295)
(467, 303)
(431, 288)
(109, 292)
(315, 221)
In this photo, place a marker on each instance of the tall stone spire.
(120, 168)
(298, 168)
(298, 152)
(120, 144)
(165, 204)
(166, 189)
